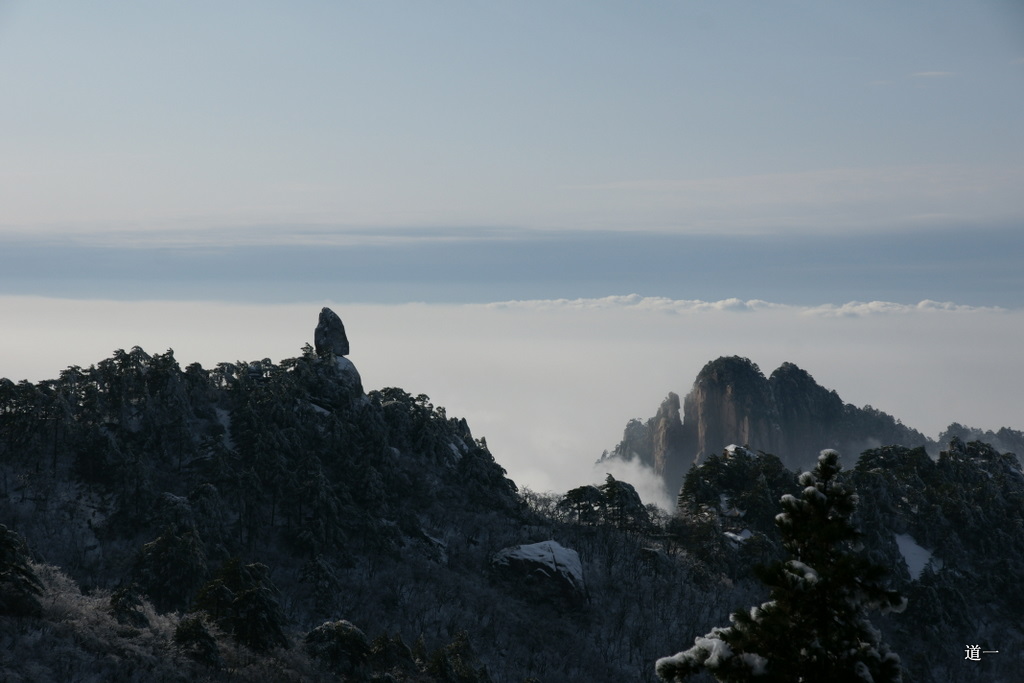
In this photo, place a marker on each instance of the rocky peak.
(660, 443)
(329, 336)
(811, 414)
(788, 414)
(668, 440)
(731, 402)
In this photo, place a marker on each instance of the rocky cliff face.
(732, 402)
(661, 443)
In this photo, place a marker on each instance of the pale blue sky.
(204, 176)
(680, 116)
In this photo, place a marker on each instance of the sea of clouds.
(551, 383)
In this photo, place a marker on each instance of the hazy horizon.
(551, 383)
(541, 215)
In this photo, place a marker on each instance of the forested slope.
(272, 521)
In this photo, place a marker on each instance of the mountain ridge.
(732, 402)
(275, 521)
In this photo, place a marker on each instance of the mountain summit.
(732, 402)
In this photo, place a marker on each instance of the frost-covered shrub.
(127, 607)
(342, 647)
(193, 636)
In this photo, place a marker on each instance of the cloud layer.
(550, 383)
(967, 264)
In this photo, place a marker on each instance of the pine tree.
(19, 586)
(171, 568)
(815, 626)
(241, 600)
(623, 506)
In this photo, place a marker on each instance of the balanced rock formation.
(331, 345)
(329, 336)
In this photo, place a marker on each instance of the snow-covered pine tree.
(815, 626)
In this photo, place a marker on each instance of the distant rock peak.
(732, 402)
(329, 336)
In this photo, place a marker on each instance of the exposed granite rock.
(661, 443)
(329, 336)
(546, 570)
(789, 415)
(668, 440)
(349, 376)
(731, 402)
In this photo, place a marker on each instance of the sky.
(544, 215)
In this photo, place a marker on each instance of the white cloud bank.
(552, 383)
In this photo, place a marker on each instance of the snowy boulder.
(545, 571)
(329, 336)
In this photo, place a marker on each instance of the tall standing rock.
(663, 443)
(329, 336)
(668, 443)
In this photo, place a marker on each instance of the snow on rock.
(914, 555)
(548, 566)
(740, 537)
(732, 450)
(456, 451)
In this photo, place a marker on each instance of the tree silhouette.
(815, 626)
(241, 600)
(19, 586)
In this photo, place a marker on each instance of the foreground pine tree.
(815, 626)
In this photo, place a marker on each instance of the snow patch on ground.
(224, 417)
(916, 557)
(456, 451)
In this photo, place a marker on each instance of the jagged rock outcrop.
(668, 439)
(661, 443)
(329, 336)
(788, 414)
(809, 412)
